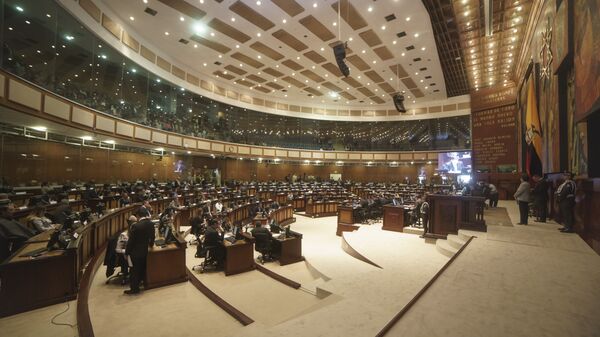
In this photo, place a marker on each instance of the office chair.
(263, 246)
(211, 260)
(112, 260)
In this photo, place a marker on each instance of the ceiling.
(283, 48)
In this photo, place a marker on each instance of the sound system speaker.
(339, 51)
(399, 103)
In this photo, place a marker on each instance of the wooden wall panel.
(57, 108)
(24, 95)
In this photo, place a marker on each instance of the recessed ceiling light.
(416, 35)
(195, 45)
(181, 18)
(258, 34)
(284, 20)
(315, 5)
(382, 27)
(39, 128)
(131, 18)
(403, 54)
(408, 18)
(232, 19)
(334, 23)
(423, 48)
(394, 42)
(370, 9)
(258, 3)
(212, 33)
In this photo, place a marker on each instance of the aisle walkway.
(515, 281)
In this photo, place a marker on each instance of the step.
(445, 248)
(314, 288)
(455, 241)
(413, 230)
(465, 235)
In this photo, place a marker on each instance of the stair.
(455, 241)
(413, 230)
(445, 248)
(314, 288)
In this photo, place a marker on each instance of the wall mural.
(561, 35)
(587, 57)
(578, 143)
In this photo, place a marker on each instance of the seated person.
(38, 221)
(273, 225)
(12, 234)
(165, 225)
(274, 205)
(122, 245)
(124, 200)
(62, 211)
(213, 241)
(263, 240)
(218, 206)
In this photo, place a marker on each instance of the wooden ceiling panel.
(347, 96)
(332, 87)
(351, 81)
(228, 30)
(313, 91)
(350, 14)
(374, 76)
(275, 86)
(185, 8)
(290, 40)
(236, 70)
(315, 57)
(386, 87)
(417, 92)
(377, 100)
(294, 82)
(312, 75)
(247, 59)
(358, 62)
(370, 38)
(317, 28)
(332, 68)
(256, 78)
(273, 72)
(409, 83)
(266, 50)
(223, 75)
(398, 69)
(366, 92)
(291, 7)
(292, 65)
(251, 15)
(211, 44)
(262, 89)
(245, 83)
(384, 53)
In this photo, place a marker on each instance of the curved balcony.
(81, 81)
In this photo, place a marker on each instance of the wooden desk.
(239, 257)
(30, 283)
(320, 209)
(166, 265)
(393, 218)
(291, 250)
(346, 220)
(449, 213)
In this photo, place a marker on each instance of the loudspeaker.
(339, 51)
(399, 103)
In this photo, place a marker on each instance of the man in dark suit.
(213, 240)
(540, 196)
(12, 233)
(141, 237)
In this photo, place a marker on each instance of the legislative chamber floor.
(512, 280)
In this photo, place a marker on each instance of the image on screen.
(179, 166)
(455, 162)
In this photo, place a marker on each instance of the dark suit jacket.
(540, 191)
(212, 237)
(141, 236)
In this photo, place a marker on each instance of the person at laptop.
(38, 221)
(213, 239)
(141, 237)
(12, 234)
(274, 226)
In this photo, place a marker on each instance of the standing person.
(565, 195)
(141, 237)
(425, 216)
(540, 196)
(493, 194)
(522, 195)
